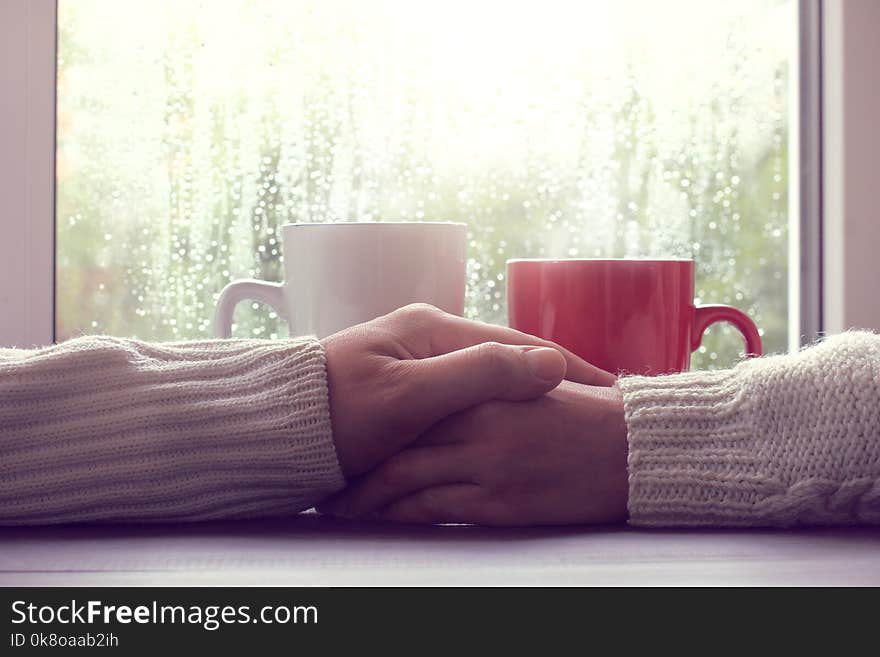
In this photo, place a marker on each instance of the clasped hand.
(438, 419)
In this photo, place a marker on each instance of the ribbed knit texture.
(109, 429)
(775, 441)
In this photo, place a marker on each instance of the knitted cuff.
(691, 461)
(108, 429)
(775, 441)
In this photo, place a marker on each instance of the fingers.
(465, 333)
(400, 476)
(429, 331)
(473, 425)
(452, 503)
(440, 386)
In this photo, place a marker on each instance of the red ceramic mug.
(634, 316)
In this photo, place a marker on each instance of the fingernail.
(542, 362)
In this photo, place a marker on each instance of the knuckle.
(493, 355)
(414, 321)
(418, 311)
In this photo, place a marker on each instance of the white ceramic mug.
(341, 274)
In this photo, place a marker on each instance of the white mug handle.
(246, 289)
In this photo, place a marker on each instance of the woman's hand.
(392, 378)
(560, 459)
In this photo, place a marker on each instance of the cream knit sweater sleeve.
(775, 441)
(109, 429)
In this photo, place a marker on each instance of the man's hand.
(394, 377)
(560, 459)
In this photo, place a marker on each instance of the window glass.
(189, 132)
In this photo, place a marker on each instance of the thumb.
(446, 384)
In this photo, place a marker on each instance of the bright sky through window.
(188, 132)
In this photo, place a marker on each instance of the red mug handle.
(706, 315)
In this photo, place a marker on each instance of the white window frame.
(27, 171)
(805, 167)
(834, 137)
(851, 161)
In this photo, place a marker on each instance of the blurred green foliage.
(149, 230)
